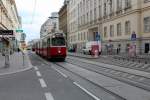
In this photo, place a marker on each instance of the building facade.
(50, 25)
(114, 20)
(9, 19)
(63, 18)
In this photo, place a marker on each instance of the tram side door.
(48, 47)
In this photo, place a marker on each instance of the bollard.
(7, 63)
(7, 55)
(23, 58)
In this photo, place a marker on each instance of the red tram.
(52, 46)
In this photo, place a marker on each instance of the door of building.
(147, 47)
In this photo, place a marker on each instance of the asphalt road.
(41, 83)
(91, 89)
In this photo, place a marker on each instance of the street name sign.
(19, 30)
(6, 32)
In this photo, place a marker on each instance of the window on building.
(119, 4)
(95, 14)
(147, 24)
(87, 16)
(81, 36)
(100, 11)
(84, 36)
(95, 3)
(127, 3)
(105, 9)
(111, 30)
(118, 29)
(111, 6)
(91, 15)
(100, 2)
(78, 36)
(105, 31)
(127, 27)
(87, 36)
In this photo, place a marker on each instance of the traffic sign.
(6, 32)
(133, 36)
(97, 37)
(19, 30)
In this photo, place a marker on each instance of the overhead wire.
(34, 11)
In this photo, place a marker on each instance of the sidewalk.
(16, 63)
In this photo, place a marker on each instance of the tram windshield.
(58, 41)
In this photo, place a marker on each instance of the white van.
(88, 47)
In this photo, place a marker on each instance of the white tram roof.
(51, 34)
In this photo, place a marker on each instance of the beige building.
(9, 18)
(114, 20)
(50, 25)
(63, 18)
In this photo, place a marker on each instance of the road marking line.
(35, 68)
(89, 93)
(49, 96)
(42, 82)
(38, 74)
(64, 75)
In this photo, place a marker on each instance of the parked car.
(88, 47)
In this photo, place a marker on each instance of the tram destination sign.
(6, 32)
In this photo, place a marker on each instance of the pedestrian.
(117, 51)
(18, 50)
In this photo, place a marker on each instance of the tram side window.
(48, 42)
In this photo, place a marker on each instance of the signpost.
(132, 50)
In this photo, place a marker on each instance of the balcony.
(119, 10)
(127, 7)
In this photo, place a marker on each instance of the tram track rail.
(116, 95)
(61, 66)
(132, 64)
(131, 79)
(128, 64)
(130, 82)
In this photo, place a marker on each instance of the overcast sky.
(43, 10)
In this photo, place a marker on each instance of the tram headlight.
(59, 51)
